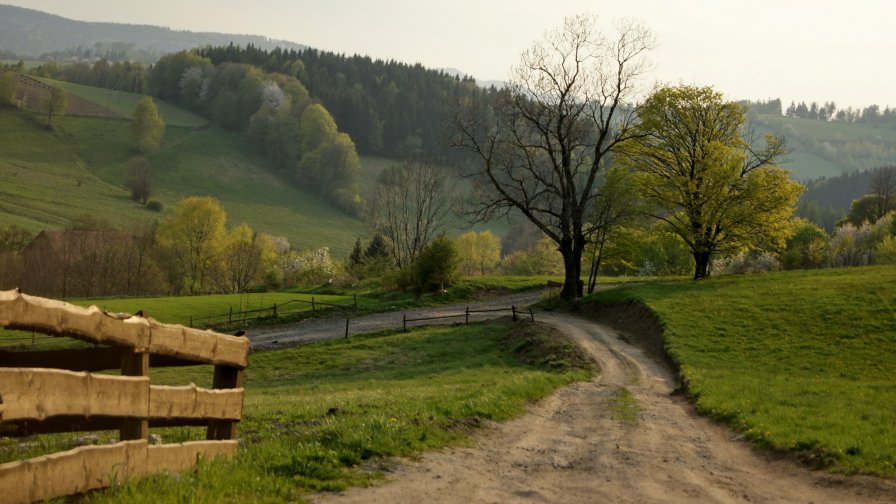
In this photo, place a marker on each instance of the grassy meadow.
(321, 417)
(124, 103)
(49, 177)
(801, 361)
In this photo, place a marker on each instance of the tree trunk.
(572, 264)
(701, 261)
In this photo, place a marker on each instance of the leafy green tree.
(8, 85)
(807, 247)
(540, 149)
(246, 259)
(55, 103)
(437, 265)
(704, 179)
(316, 127)
(617, 204)
(479, 252)
(191, 241)
(147, 126)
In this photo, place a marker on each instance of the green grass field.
(316, 416)
(124, 103)
(798, 361)
(49, 177)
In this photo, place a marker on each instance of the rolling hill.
(48, 177)
(29, 32)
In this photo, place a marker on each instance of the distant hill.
(28, 32)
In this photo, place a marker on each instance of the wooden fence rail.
(54, 391)
(275, 310)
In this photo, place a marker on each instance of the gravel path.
(311, 330)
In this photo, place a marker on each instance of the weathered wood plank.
(30, 394)
(48, 316)
(36, 394)
(92, 467)
(194, 402)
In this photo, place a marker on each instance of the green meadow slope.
(801, 361)
(49, 177)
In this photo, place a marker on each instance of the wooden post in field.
(513, 310)
(346, 327)
(404, 322)
(230, 315)
(531, 314)
(275, 310)
(312, 304)
(355, 299)
(226, 377)
(467, 316)
(134, 364)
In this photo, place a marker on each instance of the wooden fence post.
(275, 310)
(312, 304)
(404, 322)
(355, 299)
(134, 364)
(467, 316)
(346, 328)
(531, 314)
(226, 377)
(513, 310)
(230, 315)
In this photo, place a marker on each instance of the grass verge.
(800, 362)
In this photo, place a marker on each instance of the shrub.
(852, 246)
(437, 265)
(885, 252)
(154, 205)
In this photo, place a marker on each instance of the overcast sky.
(793, 49)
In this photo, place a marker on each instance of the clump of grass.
(625, 407)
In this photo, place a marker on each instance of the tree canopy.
(148, 126)
(703, 177)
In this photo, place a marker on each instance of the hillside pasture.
(123, 103)
(49, 177)
(798, 361)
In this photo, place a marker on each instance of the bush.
(885, 252)
(437, 265)
(154, 205)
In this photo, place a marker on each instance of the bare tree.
(567, 105)
(411, 206)
(883, 185)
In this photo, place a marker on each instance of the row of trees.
(389, 108)
(828, 111)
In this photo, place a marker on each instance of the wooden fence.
(240, 317)
(54, 391)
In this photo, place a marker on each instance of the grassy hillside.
(48, 177)
(798, 361)
(124, 103)
(825, 149)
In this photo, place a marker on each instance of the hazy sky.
(794, 49)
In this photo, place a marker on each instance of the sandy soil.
(571, 448)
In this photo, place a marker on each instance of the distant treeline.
(389, 108)
(826, 111)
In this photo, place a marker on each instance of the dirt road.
(572, 448)
(307, 331)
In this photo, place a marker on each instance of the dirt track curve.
(569, 448)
